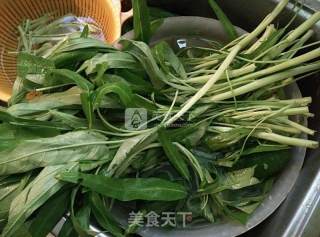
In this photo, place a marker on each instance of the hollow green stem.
(297, 126)
(232, 74)
(285, 65)
(229, 59)
(253, 115)
(286, 140)
(224, 66)
(268, 32)
(297, 46)
(295, 34)
(263, 82)
(264, 24)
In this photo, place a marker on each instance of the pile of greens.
(219, 126)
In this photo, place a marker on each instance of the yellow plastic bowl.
(107, 13)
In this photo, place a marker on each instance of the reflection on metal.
(182, 43)
(308, 209)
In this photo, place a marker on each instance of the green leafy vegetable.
(233, 180)
(142, 127)
(141, 20)
(104, 216)
(48, 102)
(128, 189)
(49, 214)
(167, 59)
(68, 148)
(175, 157)
(143, 54)
(112, 60)
(120, 88)
(10, 187)
(267, 163)
(126, 153)
(33, 196)
(28, 65)
(31, 123)
(67, 76)
(81, 218)
(228, 26)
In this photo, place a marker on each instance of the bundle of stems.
(253, 66)
(204, 130)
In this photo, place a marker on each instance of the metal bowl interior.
(189, 27)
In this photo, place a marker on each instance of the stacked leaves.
(220, 127)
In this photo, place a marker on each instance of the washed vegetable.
(110, 134)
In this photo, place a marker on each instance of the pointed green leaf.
(113, 60)
(119, 88)
(174, 156)
(126, 153)
(228, 26)
(31, 123)
(168, 60)
(143, 54)
(127, 189)
(47, 102)
(28, 64)
(50, 214)
(141, 20)
(33, 196)
(63, 76)
(104, 216)
(63, 149)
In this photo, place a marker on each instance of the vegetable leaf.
(62, 149)
(169, 62)
(143, 54)
(122, 89)
(28, 64)
(49, 214)
(127, 189)
(175, 157)
(112, 60)
(47, 102)
(9, 189)
(78, 43)
(81, 218)
(68, 119)
(62, 76)
(228, 26)
(33, 196)
(233, 180)
(267, 163)
(141, 20)
(126, 153)
(31, 123)
(104, 216)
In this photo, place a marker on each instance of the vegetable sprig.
(216, 125)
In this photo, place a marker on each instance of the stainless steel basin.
(299, 215)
